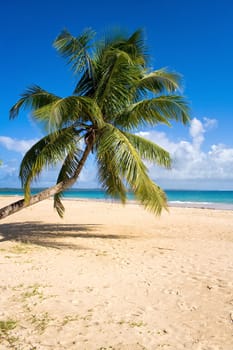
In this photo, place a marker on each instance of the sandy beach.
(117, 277)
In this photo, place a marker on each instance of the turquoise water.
(215, 199)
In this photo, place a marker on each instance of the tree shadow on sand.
(52, 235)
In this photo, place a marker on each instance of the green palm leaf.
(87, 84)
(157, 110)
(160, 81)
(134, 46)
(34, 97)
(48, 151)
(149, 150)
(74, 110)
(109, 178)
(117, 74)
(126, 162)
(75, 49)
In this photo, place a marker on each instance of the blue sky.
(193, 38)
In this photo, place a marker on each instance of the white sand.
(114, 277)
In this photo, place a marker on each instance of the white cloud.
(196, 128)
(190, 162)
(210, 123)
(20, 146)
(9, 173)
(197, 131)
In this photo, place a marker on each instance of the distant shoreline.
(175, 204)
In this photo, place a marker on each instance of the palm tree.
(116, 93)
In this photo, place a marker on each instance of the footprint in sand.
(184, 306)
(171, 291)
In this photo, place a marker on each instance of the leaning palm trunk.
(61, 186)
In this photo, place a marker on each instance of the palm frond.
(153, 111)
(149, 150)
(122, 156)
(75, 49)
(58, 205)
(160, 81)
(136, 48)
(87, 84)
(118, 63)
(57, 114)
(34, 97)
(117, 75)
(48, 151)
(109, 176)
(151, 196)
(70, 110)
(133, 45)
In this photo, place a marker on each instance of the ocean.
(185, 198)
